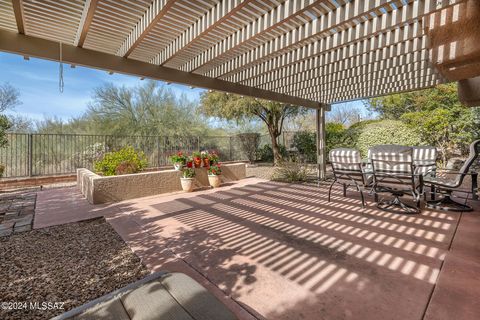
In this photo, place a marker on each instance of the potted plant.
(187, 179)
(189, 161)
(205, 158)
(178, 159)
(197, 159)
(214, 173)
(213, 157)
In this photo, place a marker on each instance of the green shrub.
(367, 134)
(290, 172)
(265, 153)
(2, 170)
(123, 161)
(305, 143)
(334, 136)
(353, 132)
(5, 124)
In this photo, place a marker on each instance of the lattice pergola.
(322, 51)
(308, 53)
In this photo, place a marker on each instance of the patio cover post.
(320, 125)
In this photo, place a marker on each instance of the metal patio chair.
(452, 181)
(394, 173)
(424, 162)
(348, 171)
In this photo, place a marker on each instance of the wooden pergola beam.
(399, 55)
(200, 29)
(238, 71)
(155, 12)
(336, 62)
(262, 27)
(19, 16)
(340, 18)
(396, 27)
(47, 49)
(85, 22)
(384, 92)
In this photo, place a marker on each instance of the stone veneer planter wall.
(99, 189)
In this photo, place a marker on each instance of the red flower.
(189, 164)
(180, 153)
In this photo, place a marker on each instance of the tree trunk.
(277, 157)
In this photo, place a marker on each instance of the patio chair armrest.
(475, 190)
(456, 172)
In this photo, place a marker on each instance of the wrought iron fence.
(54, 154)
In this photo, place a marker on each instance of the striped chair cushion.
(424, 159)
(347, 165)
(392, 164)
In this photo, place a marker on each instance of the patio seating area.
(395, 246)
(282, 251)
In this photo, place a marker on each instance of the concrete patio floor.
(281, 251)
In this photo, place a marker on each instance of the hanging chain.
(60, 75)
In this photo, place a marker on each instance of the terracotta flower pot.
(187, 184)
(206, 162)
(197, 162)
(214, 180)
(178, 166)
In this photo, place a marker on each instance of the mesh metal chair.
(424, 159)
(451, 181)
(394, 173)
(348, 171)
(424, 162)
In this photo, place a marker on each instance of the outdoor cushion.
(447, 181)
(162, 295)
(152, 301)
(197, 301)
(393, 165)
(347, 162)
(109, 310)
(424, 159)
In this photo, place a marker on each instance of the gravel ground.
(260, 170)
(266, 170)
(70, 264)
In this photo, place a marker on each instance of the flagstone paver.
(17, 212)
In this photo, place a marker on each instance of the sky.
(37, 81)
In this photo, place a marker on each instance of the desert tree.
(238, 108)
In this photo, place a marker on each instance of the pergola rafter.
(409, 81)
(348, 57)
(363, 81)
(307, 52)
(154, 13)
(370, 28)
(394, 27)
(370, 61)
(348, 76)
(395, 21)
(203, 32)
(341, 18)
(85, 21)
(19, 16)
(285, 17)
